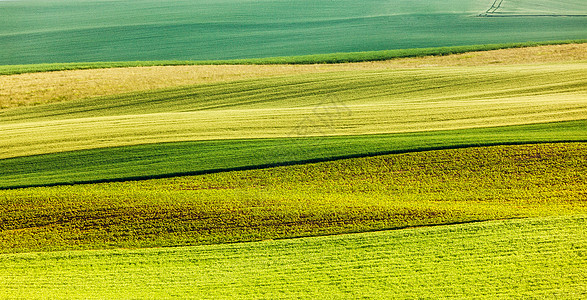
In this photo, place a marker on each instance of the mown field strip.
(350, 195)
(185, 158)
(314, 89)
(512, 53)
(47, 87)
(530, 258)
(345, 103)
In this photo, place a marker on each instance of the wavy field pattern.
(267, 149)
(350, 195)
(77, 81)
(348, 103)
(163, 160)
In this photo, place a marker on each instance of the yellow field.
(40, 88)
(337, 103)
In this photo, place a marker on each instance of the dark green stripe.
(191, 158)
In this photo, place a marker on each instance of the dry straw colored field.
(41, 88)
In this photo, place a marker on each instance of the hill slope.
(290, 120)
(64, 82)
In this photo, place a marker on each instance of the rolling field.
(328, 58)
(352, 195)
(190, 158)
(55, 31)
(78, 81)
(291, 119)
(458, 176)
(529, 258)
(335, 103)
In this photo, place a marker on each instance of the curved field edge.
(333, 58)
(201, 157)
(528, 258)
(350, 195)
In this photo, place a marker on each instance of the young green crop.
(352, 195)
(512, 259)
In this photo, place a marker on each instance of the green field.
(41, 31)
(529, 258)
(458, 177)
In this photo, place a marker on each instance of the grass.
(47, 87)
(57, 31)
(529, 258)
(331, 58)
(351, 195)
(337, 103)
